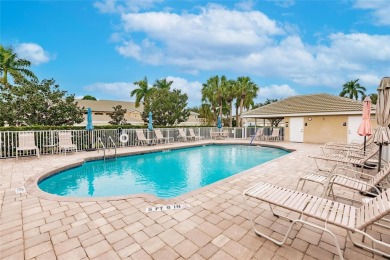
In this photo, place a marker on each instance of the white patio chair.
(65, 143)
(193, 136)
(26, 142)
(159, 137)
(142, 140)
(182, 135)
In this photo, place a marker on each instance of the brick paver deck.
(36, 226)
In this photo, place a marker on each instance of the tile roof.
(106, 105)
(307, 104)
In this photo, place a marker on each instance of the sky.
(287, 47)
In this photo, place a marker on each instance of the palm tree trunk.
(237, 117)
(230, 114)
(241, 106)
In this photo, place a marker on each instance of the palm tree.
(352, 89)
(142, 92)
(230, 92)
(163, 84)
(246, 92)
(11, 64)
(212, 93)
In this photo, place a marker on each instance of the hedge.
(43, 128)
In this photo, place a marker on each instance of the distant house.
(315, 118)
(193, 120)
(102, 109)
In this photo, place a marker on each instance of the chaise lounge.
(353, 219)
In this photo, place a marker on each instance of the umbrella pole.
(364, 147)
(380, 157)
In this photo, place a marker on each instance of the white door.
(353, 126)
(296, 129)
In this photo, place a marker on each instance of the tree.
(89, 97)
(118, 116)
(373, 96)
(352, 89)
(11, 64)
(38, 103)
(230, 93)
(213, 94)
(204, 112)
(247, 92)
(267, 102)
(142, 92)
(168, 107)
(163, 84)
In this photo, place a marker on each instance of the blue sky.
(288, 47)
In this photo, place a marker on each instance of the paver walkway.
(216, 225)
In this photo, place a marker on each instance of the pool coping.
(31, 184)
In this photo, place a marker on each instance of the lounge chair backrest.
(140, 135)
(26, 139)
(158, 133)
(181, 132)
(275, 131)
(260, 132)
(192, 133)
(382, 174)
(64, 138)
(374, 210)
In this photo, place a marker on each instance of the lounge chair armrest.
(354, 172)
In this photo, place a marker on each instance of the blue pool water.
(163, 174)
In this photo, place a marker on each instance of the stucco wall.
(323, 129)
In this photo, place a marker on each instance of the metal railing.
(103, 146)
(47, 140)
(112, 142)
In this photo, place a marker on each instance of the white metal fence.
(47, 141)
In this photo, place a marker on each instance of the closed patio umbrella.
(89, 128)
(219, 124)
(365, 126)
(150, 124)
(382, 135)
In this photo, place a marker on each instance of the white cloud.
(32, 52)
(114, 90)
(276, 92)
(116, 6)
(248, 42)
(380, 10)
(189, 39)
(283, 3)
(192, 89)
(245, 5)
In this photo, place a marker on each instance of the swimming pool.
(165, 174)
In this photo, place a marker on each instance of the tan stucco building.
(101, 110)
(193, 120)
(315, 118)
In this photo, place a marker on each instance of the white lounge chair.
(353, 219)
(182, 135)
(225, 134)
(65, 143)
(356, 182)
(259, 134)
(351, 159)
(159, 137)
(26, 142)
(193, 136)
(142, 140)
(274, 136)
